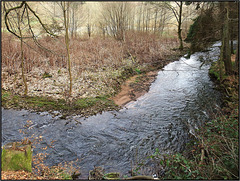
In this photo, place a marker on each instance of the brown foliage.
(87, 54)
(148, 48)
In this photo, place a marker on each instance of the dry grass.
(85, 53)
(97, 60)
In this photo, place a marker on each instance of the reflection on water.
(177, 102)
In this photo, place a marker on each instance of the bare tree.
(15, 17)
(89, 24)
(139, 16)
(66, 15)
(22, 55)
(115, 17)
(160, 18)
(77, 17)
(102, 27)
(177, 11)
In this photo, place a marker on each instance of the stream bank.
(129, 84)
(208, 155)
(177, 103)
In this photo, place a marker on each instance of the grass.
(84, 106)
(93, 101)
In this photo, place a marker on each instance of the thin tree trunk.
(146, 21)
(155, 22)
(232, 51)
(237, 58)
(66, 24)
(22, 57)
(143, 20)
(179, 26)
(73, 23)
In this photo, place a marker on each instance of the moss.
(111, 176)
(94, 105)
(89, 102)
(85, 102)
(3, 156)
(214, 72)
(17, 159)
(65, 176)
(84, 106)
(30, 102)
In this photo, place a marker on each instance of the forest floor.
(93, 92)
(106, 74)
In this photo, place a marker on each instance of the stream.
(178, 102)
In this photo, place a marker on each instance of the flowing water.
(179, 101)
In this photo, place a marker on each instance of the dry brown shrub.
(147, 48)
(95, 53)
(86, 53)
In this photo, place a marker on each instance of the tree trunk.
(226, 54)
(237, 59)
(89, 30)
(73, 22)
(66, 24)
(22, 56)
(232, 51)
(179, 26)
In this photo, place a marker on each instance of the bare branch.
(35, 40)
(6, 17)
(40, 21)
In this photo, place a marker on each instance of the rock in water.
(17, 156)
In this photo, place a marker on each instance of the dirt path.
(134, 87)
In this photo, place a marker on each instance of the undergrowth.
(214, 152)
(86, 54)
(213, 155)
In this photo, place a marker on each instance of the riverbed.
(178, 102)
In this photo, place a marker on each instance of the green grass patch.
(93, 102)
(85, 102)
(84, 106)
(13, 159)
(138, 71)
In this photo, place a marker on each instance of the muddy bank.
(134, 87)
(138, 85)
